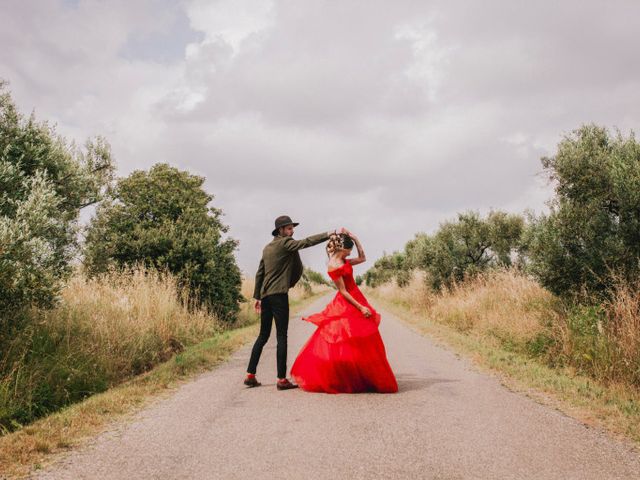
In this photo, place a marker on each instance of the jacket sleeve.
(259, 280)
(293, 245)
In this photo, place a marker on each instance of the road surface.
(448, 421)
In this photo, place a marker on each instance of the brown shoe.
(251, 382)
(285, 385)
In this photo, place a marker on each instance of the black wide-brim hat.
(283, 221)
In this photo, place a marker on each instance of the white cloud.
(388, 117)
(232, 21)
(429, 59)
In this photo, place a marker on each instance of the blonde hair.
(334, 244)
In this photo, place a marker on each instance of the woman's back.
(346, 272)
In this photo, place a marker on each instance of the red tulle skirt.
(345, 354)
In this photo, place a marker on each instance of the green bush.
(162, 219)
(458, 250)
(588, 350)
(44, 183)
(309, 278)
(314, 277)
(469, 246)
(540, 345)
(386, 268)
(51, 373)
(592, 233)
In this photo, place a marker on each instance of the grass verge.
(614, 407)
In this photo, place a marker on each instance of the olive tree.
(44, 183)
(592, 231)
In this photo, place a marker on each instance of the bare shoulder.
(334, 265)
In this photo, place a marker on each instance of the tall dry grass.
(105, 330)
(509, 307)
(604, 340)
(622, 330)
(136, 314)
(504, 304)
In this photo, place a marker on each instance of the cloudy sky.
(383, 116)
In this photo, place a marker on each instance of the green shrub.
(458, 250)
(385, 269)
(592, 233)
(44, 183)
(314, 277)
(540, 344)
(162, 219)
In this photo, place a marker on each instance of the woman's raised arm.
(361, 258)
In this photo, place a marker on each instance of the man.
(279, 270)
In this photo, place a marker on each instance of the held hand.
(365, 311)
(258, 306)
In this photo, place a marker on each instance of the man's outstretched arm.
(293, 245)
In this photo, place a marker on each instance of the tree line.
(161, 218)
(587, 242)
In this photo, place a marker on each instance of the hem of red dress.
(308, 389)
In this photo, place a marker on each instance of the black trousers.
(274, 307)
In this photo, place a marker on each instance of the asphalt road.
(448, 421)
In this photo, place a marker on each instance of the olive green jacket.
(281, 267)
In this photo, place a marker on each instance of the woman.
(345, 354)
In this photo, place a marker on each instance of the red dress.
(345, 354)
